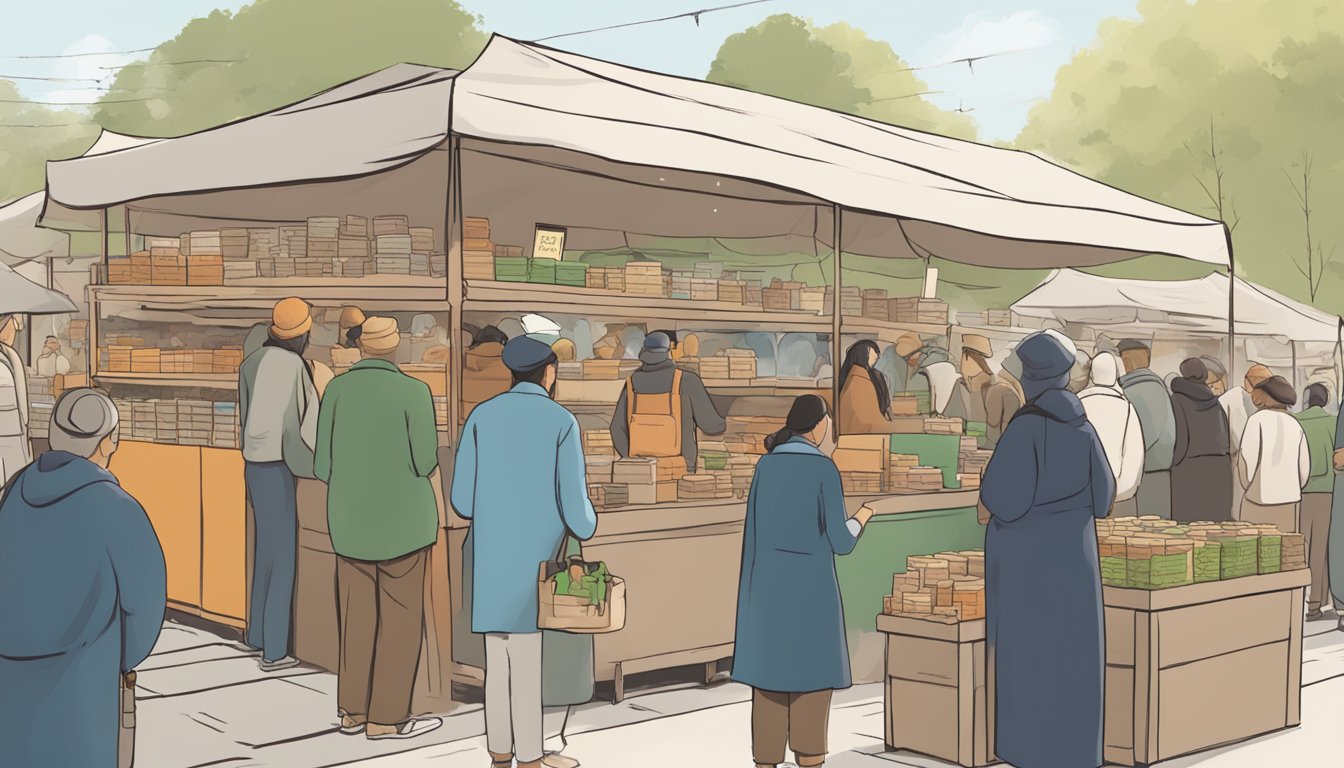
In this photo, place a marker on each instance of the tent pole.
(1232, 348)
(455, 289)
(836, 342)
(126, 225)
(1293, 346)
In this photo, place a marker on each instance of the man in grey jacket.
(1150, 398)
(278, 409)
(655, 378)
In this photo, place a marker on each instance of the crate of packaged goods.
(732, 292)
(195, 422)
(746, 434)
(39, 417)
(703, 288)
(741, 363)
(715, 368)
(323, 227)
(775, 300)
(542, 271)
(997, 317)
(225, 425)
(440, 411)
(571, 273)
(670, 469)
(145, 360)
(1158, 563)
(480, 264)
(741, 469)
(476, 227)
(119, 271)
(323, 248)
(119, 359)
(168, 270)
(917, 310)
(875, 304)
(353, 267)
(205, 270)
(226, 360)
(175, 361)
(598, 467)
(851, 301)
(608, 495)
(201, 242)
(233, 243)
(640, 476)
(943, 426)
(644, 278)
(392, 265)
(420, 264)
(601, 370)
(679, 284)
(596, 279)
(861, 483)
(260, 241)
(812, 300)
(701, 487)
(511, 270)
(353, 226)
(422, 240)
(391, 225)
(1239, 553)
(1294, 551)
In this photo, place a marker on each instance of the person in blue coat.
(1047, 481)
(790, 644)
(519, 477)
(82, 594)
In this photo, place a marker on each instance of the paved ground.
(203, 702)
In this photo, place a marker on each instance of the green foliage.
(1193, 103)
(276, 52)
(24, 150)
(837, 67)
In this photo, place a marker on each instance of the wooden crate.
(1195, 667)
(935, 692)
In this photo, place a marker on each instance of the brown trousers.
(1316, 530)
(382, 615)
(789, 720)
(1282, 515)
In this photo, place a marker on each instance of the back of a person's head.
(82, 418)
(1318, 396)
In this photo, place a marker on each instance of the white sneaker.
(557, 760)
(276, 666)
(416, 726)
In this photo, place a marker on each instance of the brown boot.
(501, 761)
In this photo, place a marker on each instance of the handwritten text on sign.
(549, 244)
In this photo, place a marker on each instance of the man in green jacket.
(1317, 495)
(376, 448)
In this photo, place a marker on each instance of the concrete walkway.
(203, 702)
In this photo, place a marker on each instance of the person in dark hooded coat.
(1048, 480)
(82, 594)
(1201, 468)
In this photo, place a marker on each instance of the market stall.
(572, 188)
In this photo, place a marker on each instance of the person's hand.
(1339, 460)
(864, 514)
(982, 513)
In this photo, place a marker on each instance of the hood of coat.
(943, 377)
(256, 339)
(56, 476)
(1106, 371)
(1141, 376)
(1197, 392)
(653, 359)
(487, 355)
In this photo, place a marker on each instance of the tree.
(837, 67)
(275, 52)
(1316, 257)
(30, 135)
(1260, 74)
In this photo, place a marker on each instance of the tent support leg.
(837, 351)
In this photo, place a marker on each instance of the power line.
(81, 55)
(52, 79)
(688, 15)
(899, 98)
(47, 125)
(970, 61)
(170, 63)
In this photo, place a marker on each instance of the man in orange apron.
(661, 408)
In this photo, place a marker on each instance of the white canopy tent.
(24, 246)
(625, 150)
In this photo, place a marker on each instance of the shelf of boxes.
(200, 380)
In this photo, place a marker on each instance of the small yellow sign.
(549, 243)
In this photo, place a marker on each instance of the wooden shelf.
(889, 331)
(486, 296)
(399, 290)
(203, 380)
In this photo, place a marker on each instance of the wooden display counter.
(1195, 667)
(935, 690)
(1187, 669)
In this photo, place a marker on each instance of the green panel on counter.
(941, 451)
(865, 574)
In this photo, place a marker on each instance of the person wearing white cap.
(82, 593)
(510, 443)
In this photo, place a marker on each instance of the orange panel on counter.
(166, 480)
(224, 544)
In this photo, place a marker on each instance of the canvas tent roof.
(905, 193)
(19, 295)
(21, 240)
(1195, 306)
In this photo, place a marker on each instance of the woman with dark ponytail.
(790, 645)
(865, 402)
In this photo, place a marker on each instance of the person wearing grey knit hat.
(1275, 458)
(83, 588)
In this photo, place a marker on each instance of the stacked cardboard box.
(875, 304)
(511, 270)
(392, 225)
(392, 253)
(640, 477)
(422, 240)
(746, 434)
(938, 588)
(812, 300)
(898, 473)
(195, 422)
(775, 300)
(205, 270)
(732, 292)
(599, 467)
(571, 273)
(704, 289)
(440, 410)
(478, 253)
(601, 370)
(353, 227)
(715, 368)
(861, 483)
(741, 363)
(696, 488)
(227, 360)
(997, 317)
(917, 310)
(679, 284)
(542, 271)
(644, 278)
(741, 469)
(233, 244)
(323, 227)
(202, 243)
(145, 360)
(851, 301)
(118, 359)
(260, 242)
(224, 433)
(167, 267)
(943, 426)
(1294, 551)
(605, 496)
(925, 480)
(39, 417)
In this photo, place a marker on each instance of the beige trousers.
(1282, 515)
(1316, 530)
(381, 608)
(789, 720)
(513, 723)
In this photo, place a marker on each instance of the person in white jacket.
(1117, 425)
(15, 451)
(1274, 461)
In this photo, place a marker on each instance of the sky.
(1040, 35)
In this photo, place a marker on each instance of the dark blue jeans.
(275, 523)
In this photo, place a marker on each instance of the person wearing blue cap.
(1047, 481)
(661, 407)
(515, 525)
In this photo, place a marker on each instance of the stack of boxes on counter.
(875, 464)
(724, 472)
(729, 366)
(322, 246)
(128, 354)
(1153, 553)
(41, 403)
(180, 422)
(948, 587)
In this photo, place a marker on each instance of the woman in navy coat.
(790, 644)
(1048, 479)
